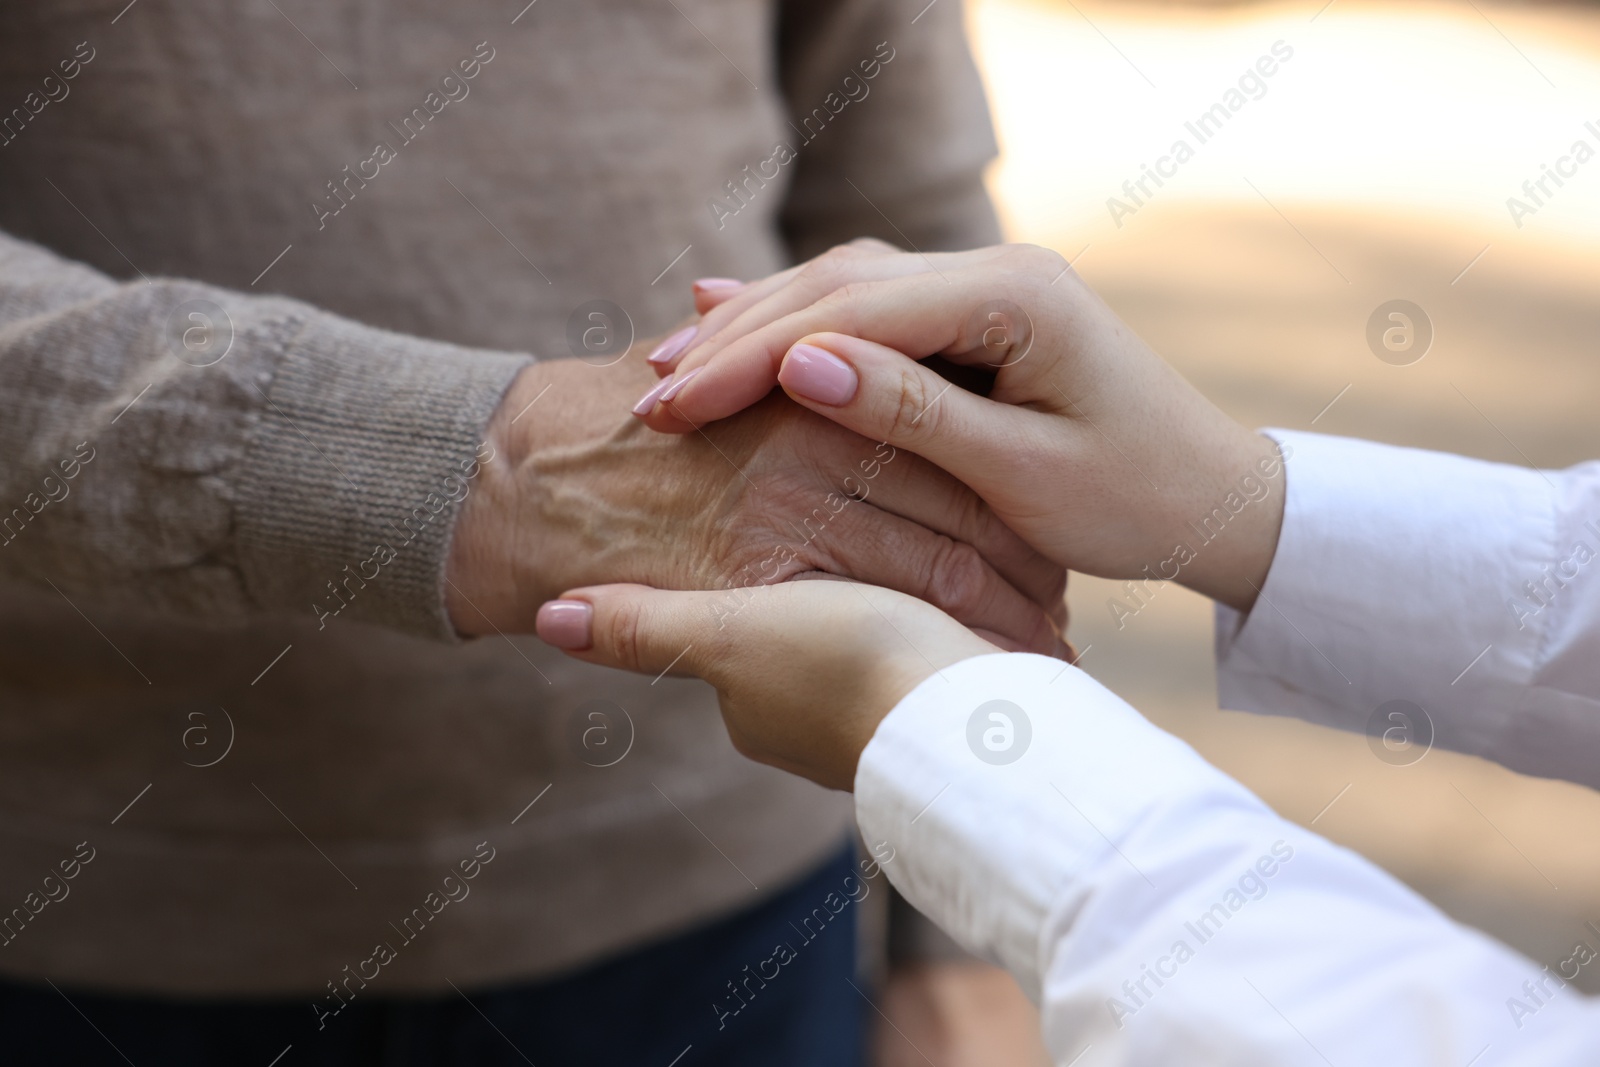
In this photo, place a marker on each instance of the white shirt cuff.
(1009, 787)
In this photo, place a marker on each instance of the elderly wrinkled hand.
(584, 494)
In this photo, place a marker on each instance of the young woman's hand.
(1087, 444)
(804, 670)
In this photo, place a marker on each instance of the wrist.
(1249, 488)
(559, 506)
(481, 592)
(896, 674)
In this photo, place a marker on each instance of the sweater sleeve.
(890, 124)
(218, 455)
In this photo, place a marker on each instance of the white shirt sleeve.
(1409, 580)
(1160, 914)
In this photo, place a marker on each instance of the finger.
(685, 634)
(915, 489)
(733, 303)
(630, 627)
(918, 313)
(710, 292)
(878, 548)
(709, 295)
(865, 259)
(713, 293)
(775, 299)
(663, 355)
(884, 396)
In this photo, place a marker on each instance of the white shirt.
(1161, 914)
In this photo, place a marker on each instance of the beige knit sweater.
(260, 272)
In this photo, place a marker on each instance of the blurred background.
(1375, 166)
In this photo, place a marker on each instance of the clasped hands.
(1068, 444)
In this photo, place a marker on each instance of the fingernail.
(717, 285)
(677, 386)
(668, 350)
(647, 403)
(817, 375)
(565, 624)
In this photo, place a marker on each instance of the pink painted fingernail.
(817, 374)
(717, 285)
(565, 624)
(668, 350)
(647, 402)
(677, 386)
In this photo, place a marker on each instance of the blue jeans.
(669, 1004)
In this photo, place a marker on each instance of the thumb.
(886, 396)
(631, 627)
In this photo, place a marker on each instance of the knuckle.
(834, 268)
(872, 245)
(914, 415)
(1057, 591)
(837, 256)
(823, 274)
(845, 291)
(976, 523)
(958, 579)
(1032, 257)
(1047, 262)
(624, 635)
(839, 306)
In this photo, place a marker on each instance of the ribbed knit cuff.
(366, 445)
